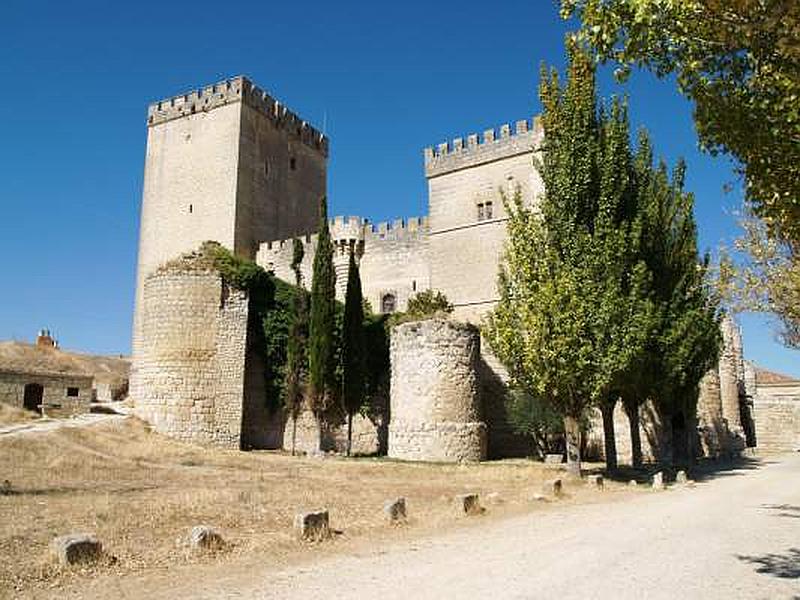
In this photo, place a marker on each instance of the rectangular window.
(72, 392)
(488, 210)
(481, 214)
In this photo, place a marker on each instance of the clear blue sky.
(386, 79)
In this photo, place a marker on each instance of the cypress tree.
(353, 376)
(296, 360)
(322, 321)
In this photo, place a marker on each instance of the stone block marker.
(633, 483)
(77, 548)
(313, 526)
(552, 487)
(595, 481)
(203, 538)
(681, 477)
(553, 459)
(468, 504)
(395, 510)
(658, 481)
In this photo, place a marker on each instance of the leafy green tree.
(531, 417)
(353, 348)
(297, 341)
(739, 62)
(765, 278)
(571, 289)
(685, 342)
(428, 302)
(322, 321)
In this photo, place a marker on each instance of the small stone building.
(43, 379)
(776, 411)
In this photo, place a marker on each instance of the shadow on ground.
(783, 510)
(705, 470)
(785, 566)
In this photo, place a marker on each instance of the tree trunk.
(609, 438)
(632, 411)
(294, 433)
(666, 448)
(349, 433)
(572, 437)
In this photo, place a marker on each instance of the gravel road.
(734, 536)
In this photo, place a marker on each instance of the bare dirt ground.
(734, 535)
(140, 494)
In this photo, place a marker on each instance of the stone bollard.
(313, 526)
(553, 459)
(468, 504)
(658, 481)
(203, 538)
(595, 481)
(77, 548)
(633, 483)
(395, 510)
(681, 477)
(553, 487)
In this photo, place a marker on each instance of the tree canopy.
(739, 62)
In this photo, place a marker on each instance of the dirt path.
(46, 425)
(734, 536)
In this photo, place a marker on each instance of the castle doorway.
(32, 397)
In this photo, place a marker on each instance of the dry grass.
(140, 492)
(10, 415)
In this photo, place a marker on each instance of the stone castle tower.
(227, 163)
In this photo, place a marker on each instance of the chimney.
(43, 340)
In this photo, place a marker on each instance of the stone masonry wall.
(435, 395)
(188, 379)
(393, 258)
(465, 247)
(55, 401)
(776, 412)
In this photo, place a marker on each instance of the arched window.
(388, 303)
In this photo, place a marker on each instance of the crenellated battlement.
(493, 144)
(229, 91)
(353, 228)
(397, 229)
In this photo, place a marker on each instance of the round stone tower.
(435, 401)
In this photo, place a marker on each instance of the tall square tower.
(227, 163)
(467, 218)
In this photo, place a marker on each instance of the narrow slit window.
(293, 163)
(191, 209)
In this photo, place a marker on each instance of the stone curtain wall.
(435, 398)
(188, 380)
(393, 258)
(776, 411)
(55, 402)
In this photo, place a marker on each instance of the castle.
(230, 163)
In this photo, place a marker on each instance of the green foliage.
(321, 366)
(423, 305)
(766, 278)
(532, 417)
(572, 288)
(297, 339)
(353, 346)
(428, 302)
(739, 62)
